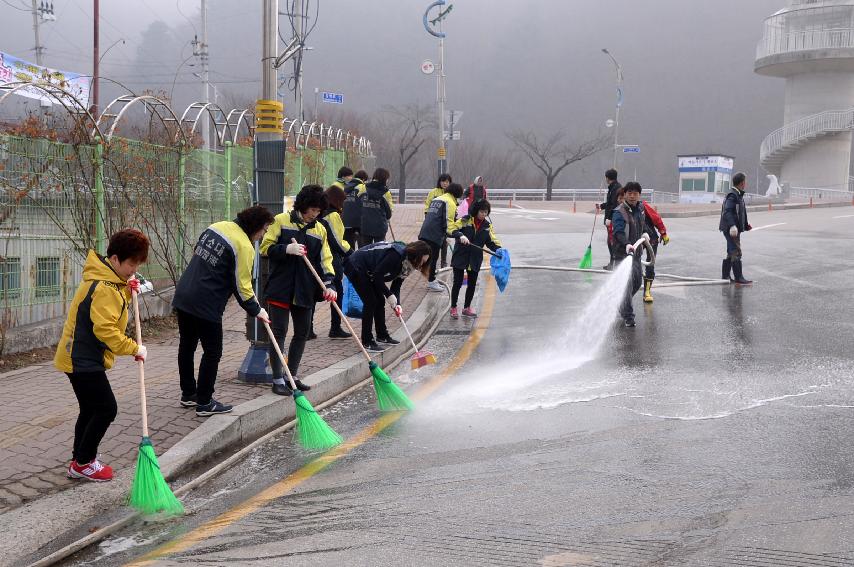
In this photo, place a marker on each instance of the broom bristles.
(422, 359)
(389, 395)
(312, 431)
(587, 261)
(150, 493)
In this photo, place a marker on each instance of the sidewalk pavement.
(39, 407)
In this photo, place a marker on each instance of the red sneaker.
(94, 471)
(454, 313)
(469, 312)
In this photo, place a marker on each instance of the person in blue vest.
(629, 222)
(732, 224)
(221, 266)
(369, 268)
(292, 291)
(470, 231)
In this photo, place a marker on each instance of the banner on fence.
(15, 70)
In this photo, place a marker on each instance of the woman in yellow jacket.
(93, 335)
(442, 185)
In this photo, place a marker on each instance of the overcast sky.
(688, 66)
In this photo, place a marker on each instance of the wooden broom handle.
(140, 365)
(334, 304)
(275, 344)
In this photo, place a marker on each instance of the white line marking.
(804, 283)
(767, 226)
(844, 217)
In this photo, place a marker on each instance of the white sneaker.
(435, 286)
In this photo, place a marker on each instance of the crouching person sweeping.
(221, 266)
(629, 220)
(93, 335)
(472, 232)
(291, 291)
(369, 268)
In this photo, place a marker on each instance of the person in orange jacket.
(657, 231)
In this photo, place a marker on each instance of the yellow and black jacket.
(436, 192)
(468, 257)
(377, 207)
(340, 248)
(94, 332)
(439, 220)
(221, 266)
(290, 280)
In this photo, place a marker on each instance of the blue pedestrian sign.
(333, 98)
(631, 150)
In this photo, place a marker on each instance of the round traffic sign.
(427, 67)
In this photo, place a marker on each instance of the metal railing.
(804, 29)
(822, 193)
(592, 195)
(775, 145)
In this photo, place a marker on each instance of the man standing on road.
(629, 224)
(608, 206)
(733, 223)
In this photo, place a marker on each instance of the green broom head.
(150, 493)
(389, 395)
(587, 261)
(312, 431)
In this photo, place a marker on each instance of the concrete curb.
(753, 209)
(56, 518)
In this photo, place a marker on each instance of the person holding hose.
(291, 290)
(377, 206)
(369, 268)
(472, 230)
(629, 221)
(340, 248)
(441, 186)
(221, 266)
(608, 206)
(439, 223)
(655, 229)
(92, 336)
(352, 210)
(732, 224)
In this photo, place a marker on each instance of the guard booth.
(704, 178)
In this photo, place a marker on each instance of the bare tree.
(404, 131)
(500, 167)
(553, 154)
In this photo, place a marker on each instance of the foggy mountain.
(688, 84)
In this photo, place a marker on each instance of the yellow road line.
(286, 485)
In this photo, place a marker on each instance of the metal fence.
(597, 195)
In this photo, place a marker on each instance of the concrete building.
(811, 45)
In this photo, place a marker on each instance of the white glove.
(141, 353)
(262, 316)
(630, 249)
(330, 294)
(295, 249)
(464, 240)
(607, 222)
(392, 301)
(733, 231)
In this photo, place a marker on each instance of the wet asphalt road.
(717, 432)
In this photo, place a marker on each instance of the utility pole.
(619, 94)
(440, 77)
(96, 57)
(200, 50)
(39, 47)
(299, 27)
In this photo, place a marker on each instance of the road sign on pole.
(333, 98)
(631, 149)
(452, 136)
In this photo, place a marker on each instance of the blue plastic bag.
(352, 302)
(500, 268)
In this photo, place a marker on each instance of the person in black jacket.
(608, 206)
(376, 208)
(292, 289)
(331, 220)
(439, 223)
(629, 222)
(221, 266)
(369, 268)
(472, 229)
(351, 215)
(733, 222)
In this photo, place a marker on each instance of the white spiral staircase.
(785, 141)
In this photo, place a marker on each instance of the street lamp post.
(440, 77)
(619, 93)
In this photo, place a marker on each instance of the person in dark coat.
(331, 221)
(472, 230)
(442, 185)
(732, 224)
(376, 208)
(369, 268)
(292, 291)
(629, 222)
(608, 207)
(439, 221)
(351, 215)
(476, 191)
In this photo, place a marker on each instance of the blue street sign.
(631, 150)
(334, 98)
